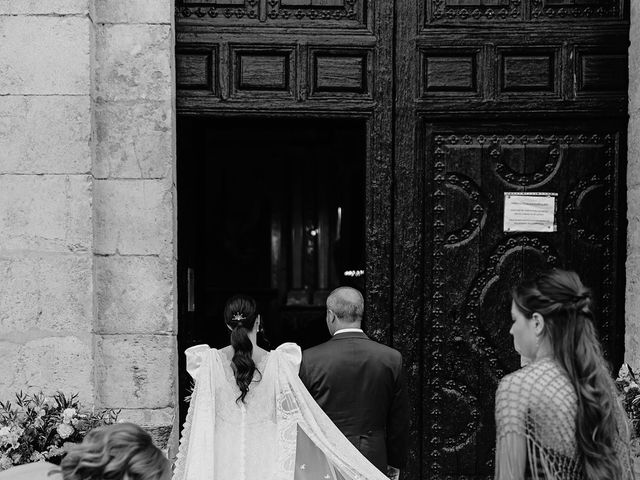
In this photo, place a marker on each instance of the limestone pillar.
(133, 208)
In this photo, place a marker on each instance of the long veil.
(308, 445)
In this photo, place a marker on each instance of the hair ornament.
(238, 317)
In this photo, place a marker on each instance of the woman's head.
(240, 312)
(554, 309)
(122, 451)
(241, 317)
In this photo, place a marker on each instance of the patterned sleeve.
(511, 444)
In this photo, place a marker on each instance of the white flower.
(12, 437)
(36, 457)
(4, 431)
(68, 414)
(65, 430)
(50, 402)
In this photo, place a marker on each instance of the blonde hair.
(122, 451)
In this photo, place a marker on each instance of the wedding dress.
(278, 433)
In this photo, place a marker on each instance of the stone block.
(133, 62)
(158, 422)
(634, 59)
(134, 141)
(40, 7)
(45, 134)
(45, 212)
(48, 364)
(632, 307)
(133, 217)
(45, 294)
(134, 294)
(44, 55)
(633, 217)
(133, 11)
(633, 152)
(135, 371)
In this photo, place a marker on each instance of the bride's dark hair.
(565, 304)
(240, 315)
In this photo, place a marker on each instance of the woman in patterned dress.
(558, 417)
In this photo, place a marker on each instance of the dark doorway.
(273, 208)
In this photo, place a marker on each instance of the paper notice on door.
(530, 212)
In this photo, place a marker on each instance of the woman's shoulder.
(531, 378)
(291, 352)
(32, 471)
(514, 381)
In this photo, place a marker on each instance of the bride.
(251, 418)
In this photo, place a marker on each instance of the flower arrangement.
(38, 427)
(629, 389)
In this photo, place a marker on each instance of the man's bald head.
(347, 304)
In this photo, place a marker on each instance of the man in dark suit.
(360, 384)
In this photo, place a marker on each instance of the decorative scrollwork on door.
(456, 11)
(261, 11)
(477, 206)
(571, 9)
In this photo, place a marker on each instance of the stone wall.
(87, 203)
(46, 187)
(632, 304)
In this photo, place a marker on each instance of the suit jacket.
(360, 384)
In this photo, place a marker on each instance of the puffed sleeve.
(194, 358)
(292, 353)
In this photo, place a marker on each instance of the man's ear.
(538, 323)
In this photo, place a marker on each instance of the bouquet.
(37, 427)
(630, 396)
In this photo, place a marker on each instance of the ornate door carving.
(473, 263)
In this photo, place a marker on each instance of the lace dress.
(278, 433)
(539, 404)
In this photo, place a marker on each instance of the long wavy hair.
(122, 451)
(240, 315)
(566, 306)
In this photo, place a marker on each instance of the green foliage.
(36, 427)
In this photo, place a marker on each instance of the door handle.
(191, 296)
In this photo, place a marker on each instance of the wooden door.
(498, 96)
(464, 101)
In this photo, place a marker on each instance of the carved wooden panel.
(473, 263)
(576, 9)
(194, 69)
(529, 70)
(308, 13)
(448, 71)
(267, 70)
(473, 11)
(501, 11)
(339, 71)
(601, 71)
